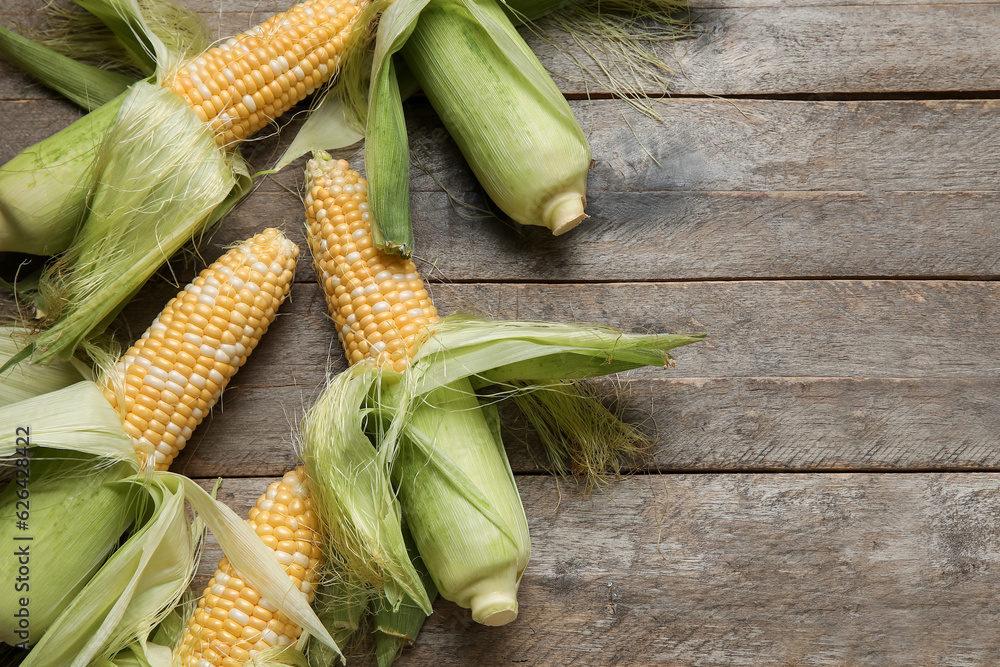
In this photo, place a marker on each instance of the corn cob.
(232, 622)
(246, 82)
(382, 309)
(377, 299)
(175, 373)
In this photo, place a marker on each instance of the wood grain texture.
(804, 569)
(742, 49)
(825, 485)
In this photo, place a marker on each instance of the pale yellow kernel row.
(233, 622)
(170, 379)
(246, 82)
(378, 300)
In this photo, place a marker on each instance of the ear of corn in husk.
(123, 601)
(169, 159)
(520, 138)
(125, 598)
(225, 310)
(62, 484)
(402, 433)
(510, 120)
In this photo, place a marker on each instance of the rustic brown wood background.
(821, 198)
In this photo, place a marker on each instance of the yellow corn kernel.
(232, 621)
(169, 395)
(375, 298)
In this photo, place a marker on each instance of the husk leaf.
(26, 380)
(387, 160)
(160, 176)
(45, 188)
(330, 125)
(156, 34)
(76, 418)
(341, 602)
(396, 629)
(75, 503)
(252, 560)
(358, 509)
(84, 85)
(387, 152)
(137, 585)
(502, 108)
(133, 24)
(461, 347)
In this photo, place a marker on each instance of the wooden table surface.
(821, 198)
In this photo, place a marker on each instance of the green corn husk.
(44, 190)
(125, 599)
(510, 120)
(439, 446)
(25, 380)
(91, 517)
(519, 137)
(85, 608)
(460, 502)
(159, 178)
(354, 498)
(398, 628)
(341, 606)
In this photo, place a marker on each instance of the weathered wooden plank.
(829, 47)
(763, 145)
(694, 236)
(696, 424)
(874, 48)
(870, 147)
(805, 569)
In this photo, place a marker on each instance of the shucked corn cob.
(249, 80)
(175, 373)
(378, 300)
(232, 622)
